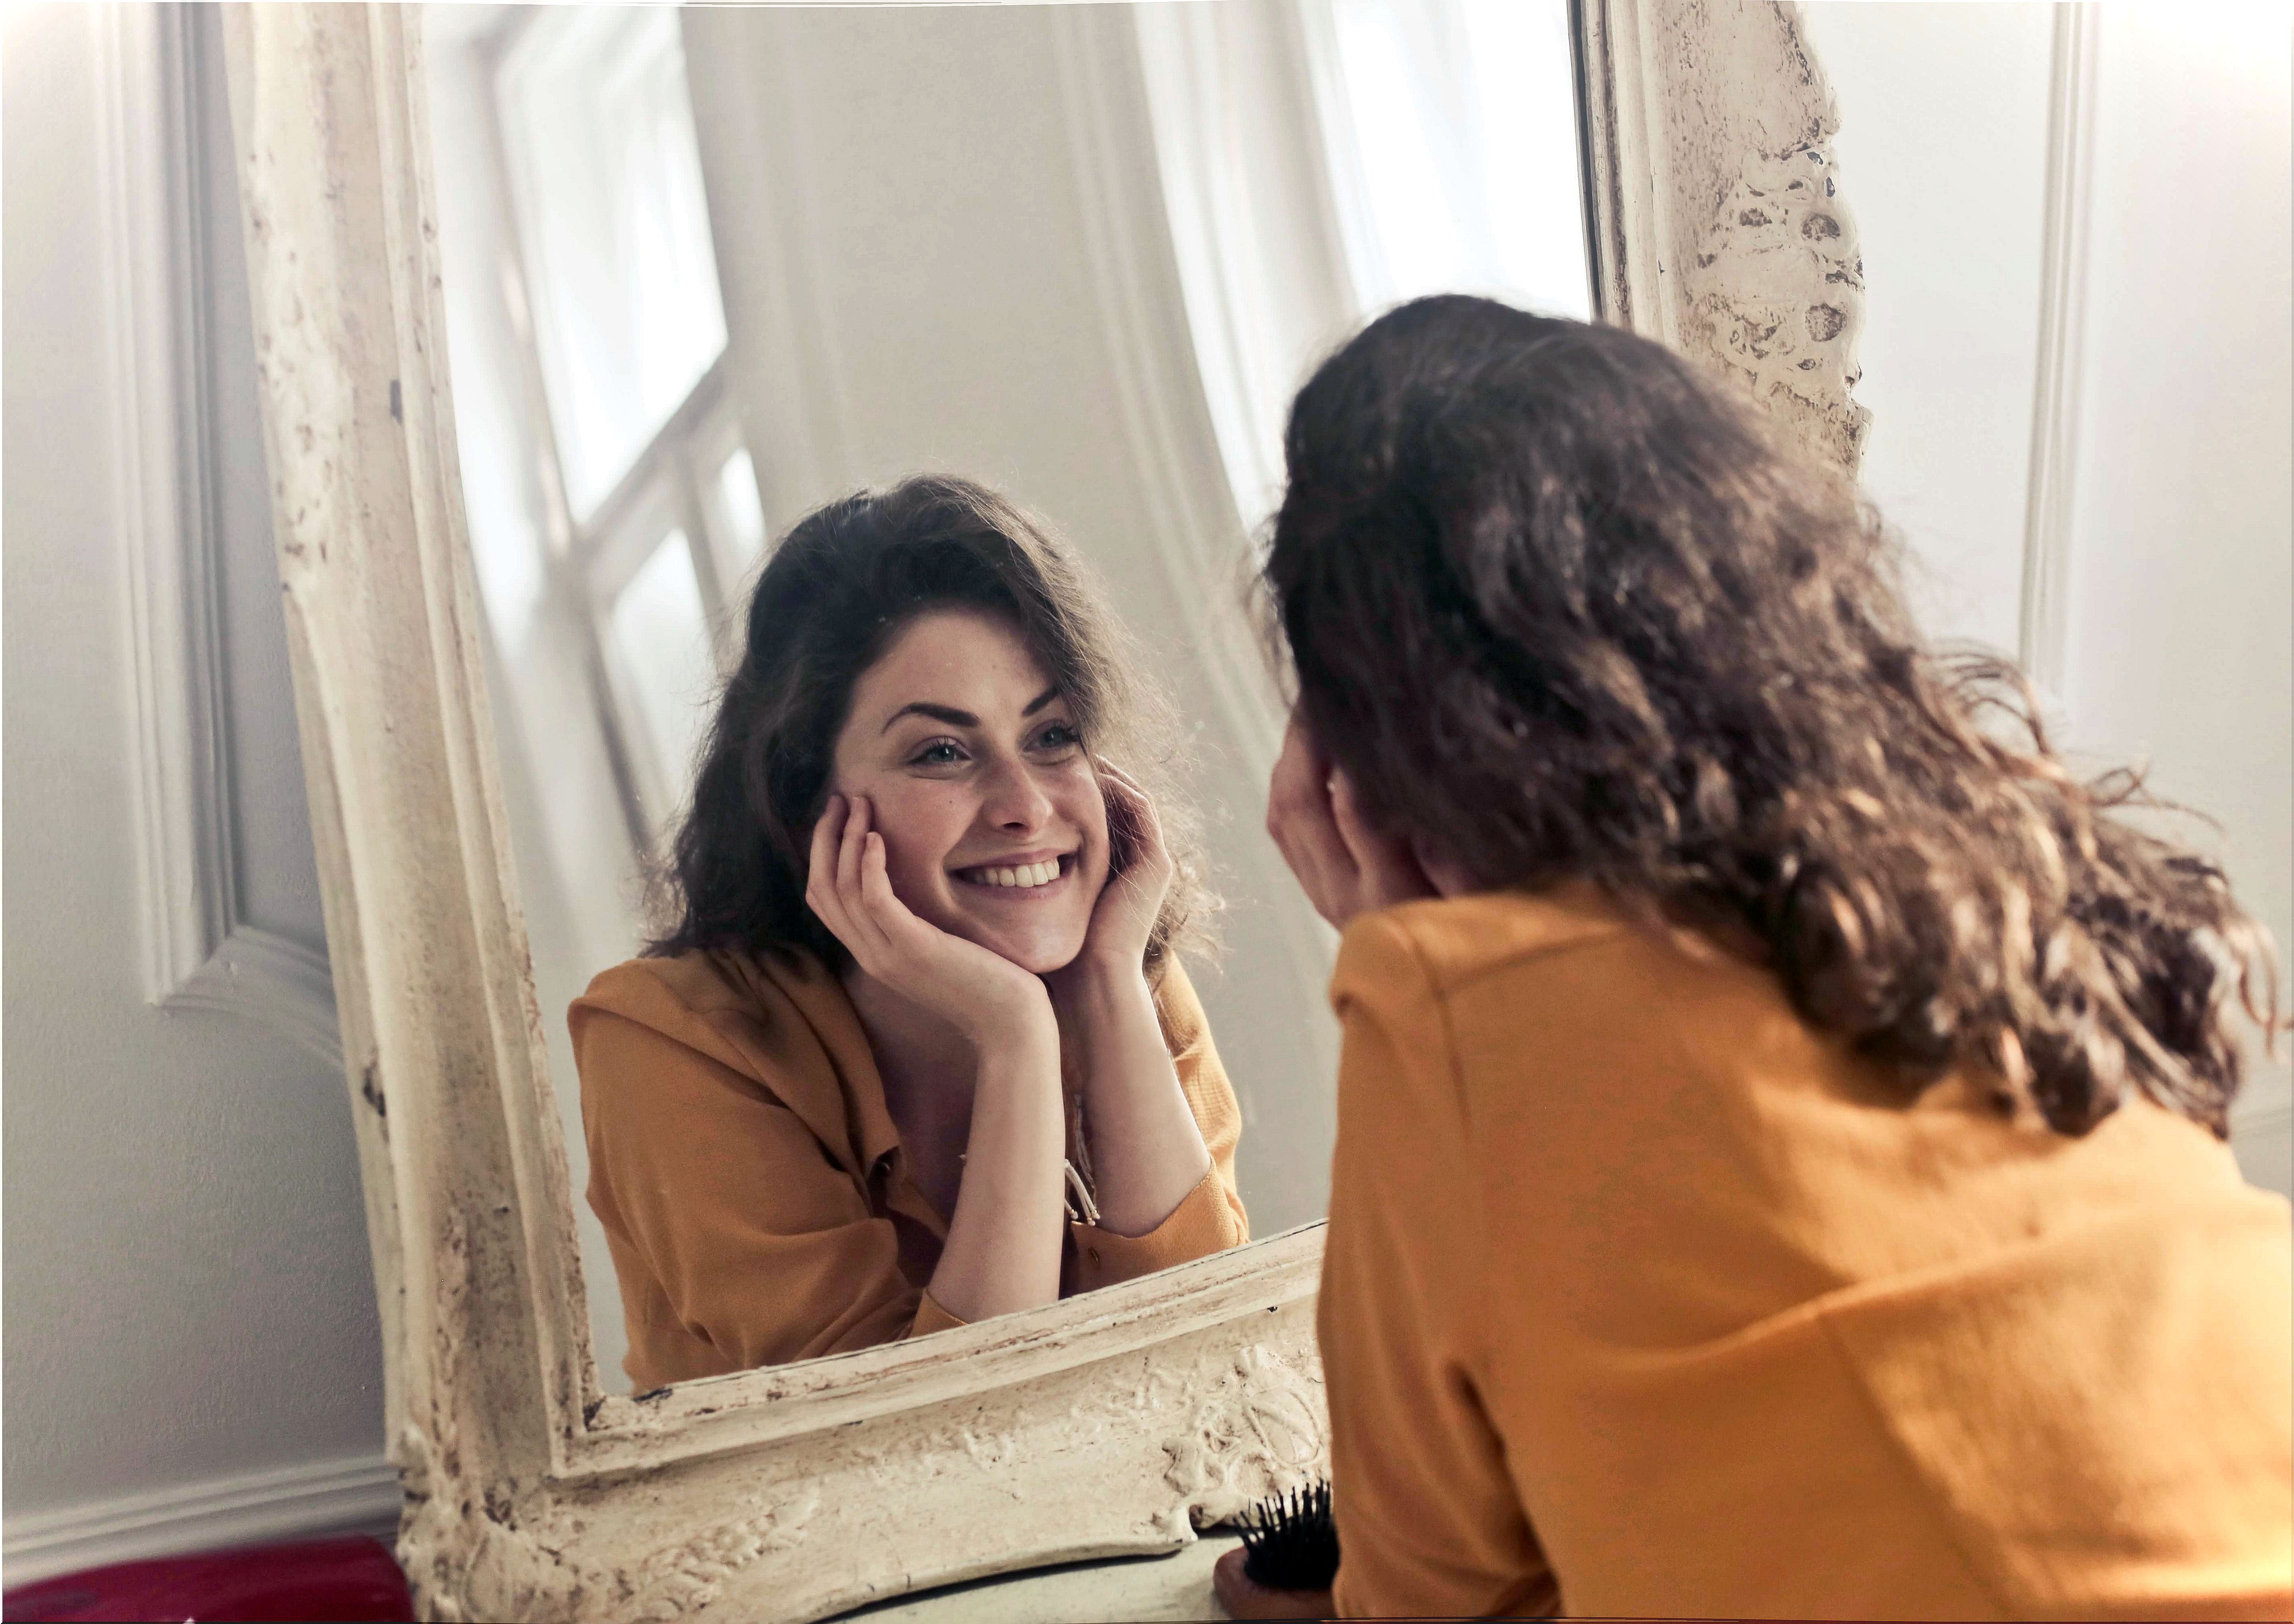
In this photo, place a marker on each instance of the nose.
(1014, 801)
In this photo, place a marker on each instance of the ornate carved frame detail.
(1112, 1423)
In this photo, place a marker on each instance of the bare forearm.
(1147, 1152)
(1003, 1239)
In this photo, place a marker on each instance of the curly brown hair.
(838, 589)
(1561, 607)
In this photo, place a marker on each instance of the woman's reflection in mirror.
(915, 1048)
(1780, 1164)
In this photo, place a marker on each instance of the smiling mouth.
(1017, 877)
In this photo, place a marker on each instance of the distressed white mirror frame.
(1109, 1423)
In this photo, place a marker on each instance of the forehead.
(956, 657)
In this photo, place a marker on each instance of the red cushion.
(321, 1581)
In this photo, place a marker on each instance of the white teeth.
(1023, 878)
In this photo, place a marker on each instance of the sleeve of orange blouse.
(1203, 1079)
(763, 1248)
(1201, 1224)
(931, 1317)
(1428, 1522)
(1211, 1218)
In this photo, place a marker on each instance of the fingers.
(1128, 787)
(1369, 849)
(1300, 818)
(849, 850)
(1122, 827)
(866, 878)
(883, 904)
(1135, 831)
(1299, 785)
(1147, 823)
(820, 878)
(834, 889)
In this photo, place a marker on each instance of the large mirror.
(708, 269)
(567, 319)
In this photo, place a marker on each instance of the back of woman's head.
(838, 589)
(1562, 608)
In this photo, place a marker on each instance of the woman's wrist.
(1098, 974)
(1023, 1026)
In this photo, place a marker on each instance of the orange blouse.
(1641, 1297)
(752, 1183)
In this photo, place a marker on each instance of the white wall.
(1942, 153)
(192, 1355)
(2177, 611)
(2180, 605)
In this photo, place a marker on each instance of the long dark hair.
(1561, 607)
(843, 583)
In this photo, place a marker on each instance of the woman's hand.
(1138, 875)
(1147, 1152)
(1002, 1253)
(980, 993)
(1345, 866)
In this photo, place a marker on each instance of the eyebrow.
(955, 717)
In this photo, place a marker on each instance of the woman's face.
(995, 826)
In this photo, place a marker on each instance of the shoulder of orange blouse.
(1455, 939)
(763, 1021)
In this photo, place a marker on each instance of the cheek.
(921, 823)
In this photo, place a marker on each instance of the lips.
(1015, 876)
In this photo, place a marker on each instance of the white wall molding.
(198, 952)
(161, 506)
(262, 976)
(2054, 409)
(353, 1496)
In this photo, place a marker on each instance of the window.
(605, 176)
(613, 290)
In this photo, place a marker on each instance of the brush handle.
(1244, 1598)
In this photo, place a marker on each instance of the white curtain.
(1253, 223)
(1450, 129)
(1324, 159)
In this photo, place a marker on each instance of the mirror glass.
(707, 270)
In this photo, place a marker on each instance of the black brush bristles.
(1289, 1542)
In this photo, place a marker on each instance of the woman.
(1780, 1164)
(827, 1109)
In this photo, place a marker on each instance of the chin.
(1041, 927)
(1037, 955)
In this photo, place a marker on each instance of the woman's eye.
(940, 752)
(1059, 735)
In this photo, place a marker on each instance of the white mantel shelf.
(1135, 1588)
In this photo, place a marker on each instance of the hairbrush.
(1289, 1542)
